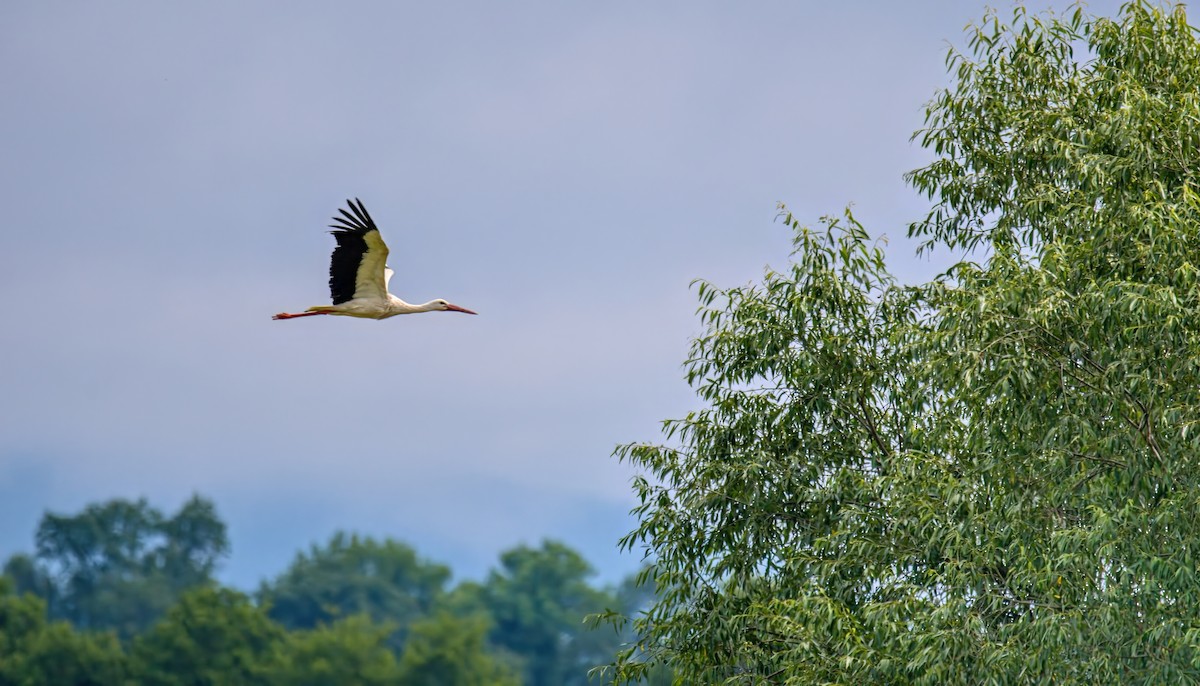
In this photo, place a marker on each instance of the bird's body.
(359, 275)
(370, 308)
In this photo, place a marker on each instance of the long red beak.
(456, 308)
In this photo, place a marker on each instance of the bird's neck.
(400, 307)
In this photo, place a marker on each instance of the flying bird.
(359, 275)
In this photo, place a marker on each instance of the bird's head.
(443, 306)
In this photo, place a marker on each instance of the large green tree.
(993, 477)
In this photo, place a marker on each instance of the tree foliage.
(538, 600)
(356, 610)
(120, 564)
(351, 650)
(355, 575)
(211, 636)
(988, 478)
(34, 651)
(445, 650)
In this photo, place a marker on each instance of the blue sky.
(565, 169)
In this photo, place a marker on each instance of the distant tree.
(993, 477)
(465, 599)
(353, 650)
(446, 650)
(192, 543)
(27, 576)
(211, 636)
(617, 633)
(121, 569)
(120, 564)
(539, 600)
(351, 575)
(34, 651)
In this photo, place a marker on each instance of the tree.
(539, 600)
(988, 478)
(33, 651)
(353, 650)
(633, 597)
(121, 564)
(27, 576)
(445, 650)
(351, 575)
(211, 636)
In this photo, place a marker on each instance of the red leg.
(285, 315)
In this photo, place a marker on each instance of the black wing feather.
(350, 234)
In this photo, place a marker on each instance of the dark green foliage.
(351, 575)
(211, 636)
(538, 601)
(26, 577)
(119, 565)
(34, 652)
(445, 650)
(353, 650)
(356, 610)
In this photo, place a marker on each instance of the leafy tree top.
(353, 574)
(991, 477)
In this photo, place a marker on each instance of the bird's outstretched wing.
(356, 269)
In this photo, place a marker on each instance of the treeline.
(121, 593)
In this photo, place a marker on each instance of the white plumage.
(359, 275)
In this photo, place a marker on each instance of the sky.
(566, 169)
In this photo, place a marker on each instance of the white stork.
(359, 275)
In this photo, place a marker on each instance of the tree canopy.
(991, 477)
(538, 599)
(351, 575)
(137, 603)
(120, 564)
(34, 651)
